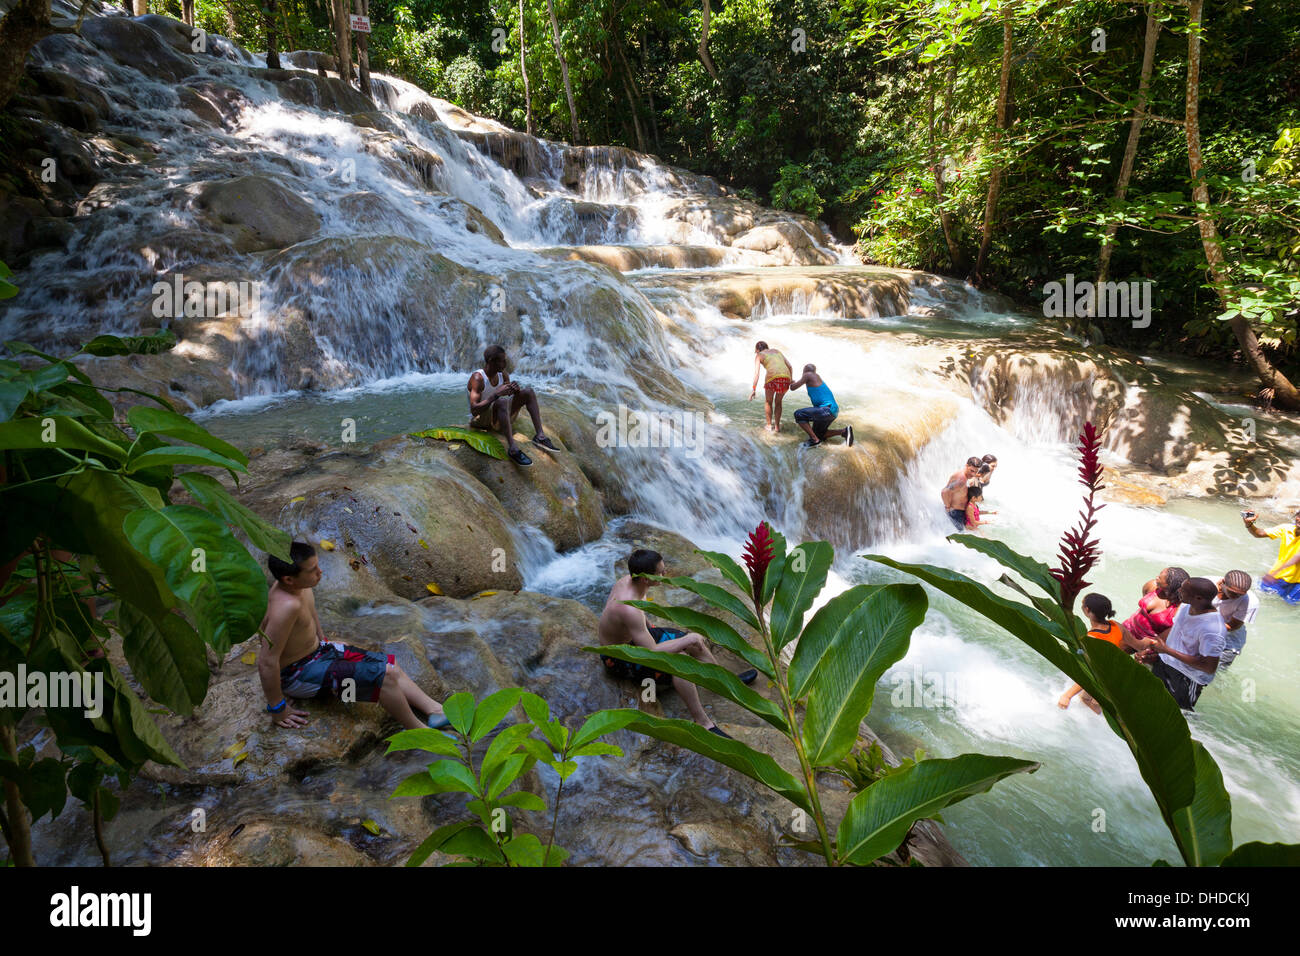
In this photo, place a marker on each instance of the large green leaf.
(715, 630)
(480, 441)
(171, 455)
(1044, 635)
(228, 597)
(1264, 854)
(138, 735)
(844, 650)
(146, 419)
(1030, 569)
(1205, 827)
(491, 710)
(879, 817)
(732, 571)
(712, 676)
(734, 754)
(599, 724)
(423, 738)
(720, 598)
(67, 433)
(212, 494)
(1149, 721)
(166, 656)
(108, 345)
(797, 589)
(435, 840)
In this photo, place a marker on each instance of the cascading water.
(381, 312)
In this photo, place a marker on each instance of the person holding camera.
(495, 401)
(1283, 579)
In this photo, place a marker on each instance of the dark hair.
(1175, 578)
(1237, 580)
(973, 462)
(760, 347)
(643, 561)
(492, 352)
(990, 459)
(1202, 586)
(1099, 605)
(299, 551)
(975, 491)
(985, 470)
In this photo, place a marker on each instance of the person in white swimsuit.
(494, 401)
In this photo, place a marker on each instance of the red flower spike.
(1079, 552)
(758, 555)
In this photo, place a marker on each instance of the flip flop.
(747, 677)
(545, 442)
(848, 433)
(519, 458)
(715, 729)
(438, 721)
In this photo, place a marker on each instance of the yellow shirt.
(774, 364)
(1288, 548)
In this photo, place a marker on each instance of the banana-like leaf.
(212, 494)
(720, 598)
(844, 650)
(599, 724)
(480, 441)
(734, 754)
(732, 571)
(166, 656)
(1031, 569)
(1150, 723)
(228, 594)
(1205, 826)
(796, 589)
(1264, 854)
(712, 676)
(879, 817)
(715, 630)
(1044, 635)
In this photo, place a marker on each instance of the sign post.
(359, 24)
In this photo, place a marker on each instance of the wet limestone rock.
(257, 213)
(135, 44)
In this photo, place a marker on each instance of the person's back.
(816, 419)
(819, 393)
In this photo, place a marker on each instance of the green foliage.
(91, 520)
(490, 839)
(839, 656)
(481, 441)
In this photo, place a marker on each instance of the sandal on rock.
(438, 721)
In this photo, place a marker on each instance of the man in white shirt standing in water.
(1187, 655)
(495, 401)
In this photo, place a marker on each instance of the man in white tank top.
(494, 401)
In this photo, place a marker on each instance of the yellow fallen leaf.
(482, 594)
(348, 510)
(233, 749)
(424, 544)
(327, 544)
(249, 658)
(239, 758)
(371, 826)
(433, 588)
(294, 501)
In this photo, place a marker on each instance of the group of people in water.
(1186, 629)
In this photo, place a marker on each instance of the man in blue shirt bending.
(817, 419)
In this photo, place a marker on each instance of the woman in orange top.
(775, 384)
(1097, 609)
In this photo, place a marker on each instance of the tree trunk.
(141, 7)
(523, 68)
(19, 833)
(21, 29)
(995, 178)
(187, 12)
(1134, 134)
(633, 95)
(564, 72)
(343, 40)
(362, 9)
(955, 255)
(705, 58)
(268, 25)
(1284, 394)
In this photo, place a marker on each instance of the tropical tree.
(824, 691)
(86, 517)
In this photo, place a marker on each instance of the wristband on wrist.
(278, 707)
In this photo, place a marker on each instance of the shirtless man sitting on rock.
(495, 401)
(622, 624)
(298, 662)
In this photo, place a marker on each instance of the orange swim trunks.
(777, 386)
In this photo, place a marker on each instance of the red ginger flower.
(758, 555)
(1079, 552)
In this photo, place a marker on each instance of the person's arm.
(279, 624)
(758, 364)
(1255, 532)
(1207, 664)
(1279, 568)
(485, 395)
(802, 381)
